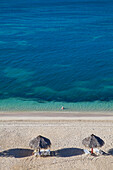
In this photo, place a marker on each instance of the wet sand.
(37, 115)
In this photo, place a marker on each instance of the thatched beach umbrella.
(93, 142)
(40, 142)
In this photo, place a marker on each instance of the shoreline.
(52, 115)
(55, 119)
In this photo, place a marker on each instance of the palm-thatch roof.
(93, 141)
(40, 142)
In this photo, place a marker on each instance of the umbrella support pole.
(91, 150)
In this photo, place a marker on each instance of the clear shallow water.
(55, 53)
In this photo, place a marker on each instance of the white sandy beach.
(66, 134)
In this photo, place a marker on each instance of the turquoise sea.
(56, 53)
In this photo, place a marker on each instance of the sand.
(66, 134)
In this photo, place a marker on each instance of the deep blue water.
(59, 50)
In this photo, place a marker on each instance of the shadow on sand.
(21, 153)
(110, 151)
(67, 152)
(17, 153)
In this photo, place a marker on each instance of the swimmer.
(62, 108)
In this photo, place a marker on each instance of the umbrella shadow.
(16, 153)
(67, 152)
(110, 151)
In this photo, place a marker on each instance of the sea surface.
(56, 53)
